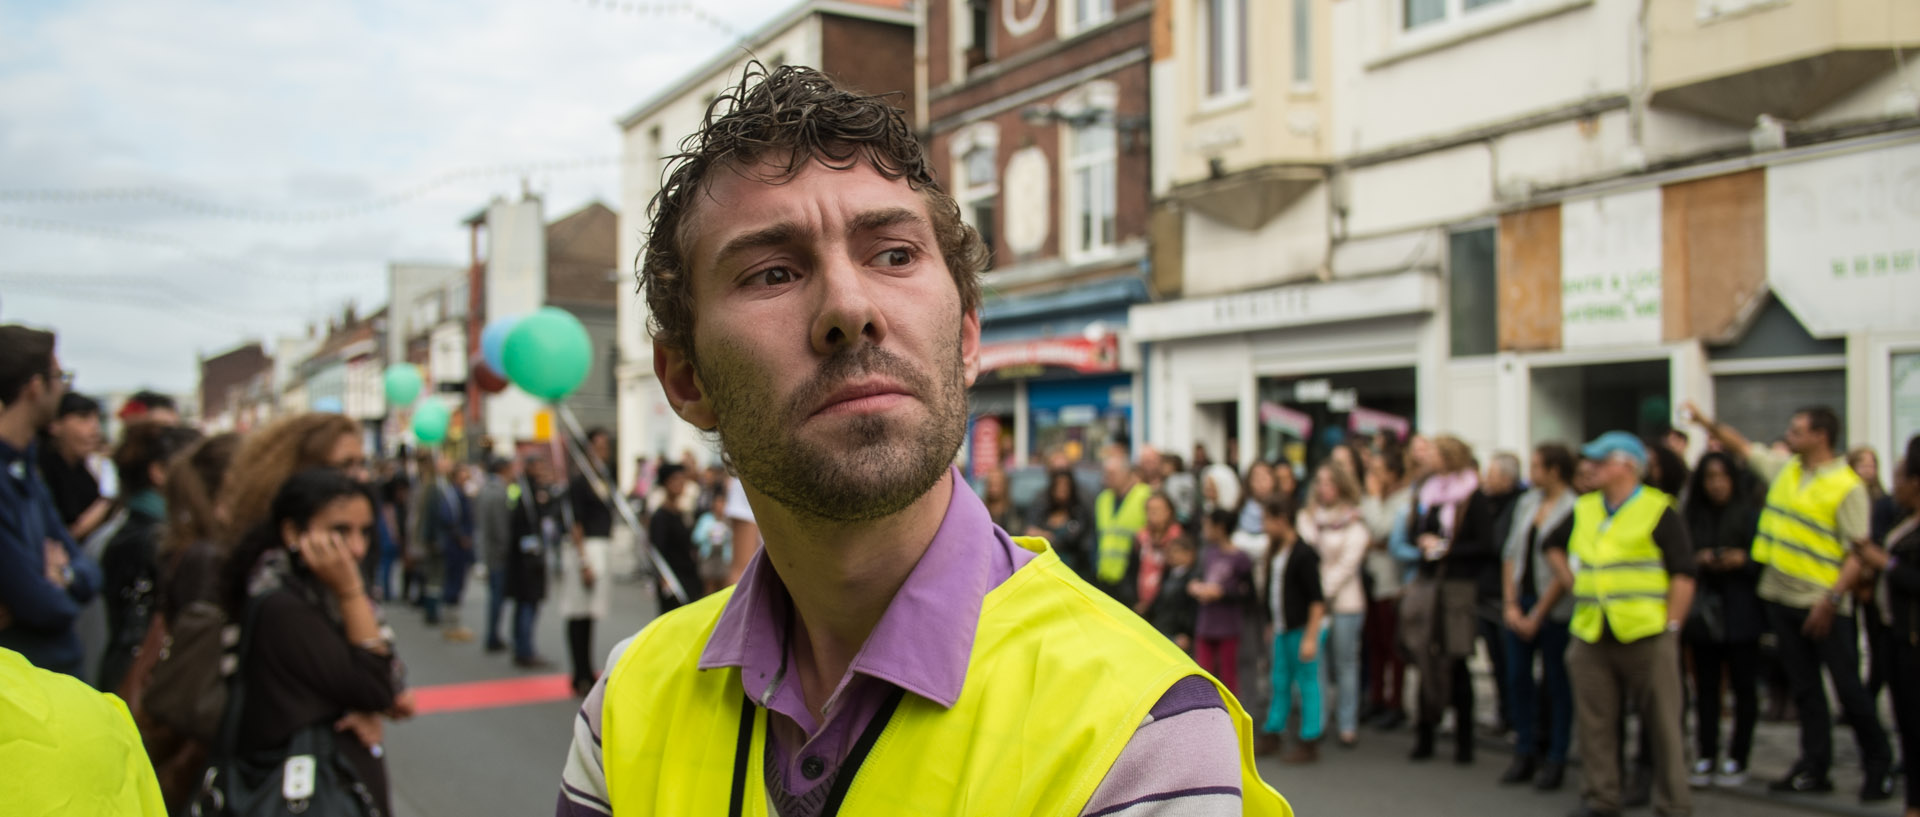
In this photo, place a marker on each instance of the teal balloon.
(403, 384)
(430, 421)
(548, 354)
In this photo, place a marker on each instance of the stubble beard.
(874, 467)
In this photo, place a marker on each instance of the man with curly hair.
(815, 304)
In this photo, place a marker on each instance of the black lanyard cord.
(842, 781)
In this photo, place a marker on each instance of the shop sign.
(1369, 421)
(1343, 401)
(986, 443)
(1610, 280)
(1280, 418)
(1033, 357)
(1311, 391)
(1843, 240)
(1377, 296)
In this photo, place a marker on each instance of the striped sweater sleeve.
(1183, 761)
(583, 782)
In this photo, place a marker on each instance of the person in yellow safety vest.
(1816, 516)
(1626, 555)
(815, 302)
(1119, 513)
(68, 750)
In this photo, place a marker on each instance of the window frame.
(964, 143)
(1102, 165)
(1235, 57)
(1073, 22)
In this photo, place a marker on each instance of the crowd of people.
(1607, 584)
(244, 580)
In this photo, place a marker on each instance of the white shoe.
(1732, 775)
(1702, 775)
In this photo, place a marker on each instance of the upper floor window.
(1303, 44)
(1223, 28)
(1419, 13)
(1092, 157)
(1084, 14)
(976, 153)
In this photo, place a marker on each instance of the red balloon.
(486, 378)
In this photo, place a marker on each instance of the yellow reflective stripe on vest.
(1799, 532)
(1117, 529)
(1619, 581)
(1035, 731)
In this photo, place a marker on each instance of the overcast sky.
(151, 153)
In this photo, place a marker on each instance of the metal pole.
(576, 443)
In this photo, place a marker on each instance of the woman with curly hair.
(276, 452)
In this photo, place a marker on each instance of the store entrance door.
(1573, 404)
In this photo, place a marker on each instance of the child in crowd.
(714, 537)
(1223, 584)
(1298, 607)
(1173, 608)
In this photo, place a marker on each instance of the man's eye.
(774, 276)
(896, 257)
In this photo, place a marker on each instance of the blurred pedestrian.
(1174, 610)
(534, 529)
(150, 406)
(584, 579)
(493, 510)
(1816, 515)
(448, 525)
(1883, 514)
(1061, 518)
(45, 579)
(673, 539)
(999, 499)
(316, 658)
(271, 454)
(1536, 609)
(1625, 554)
(1725, 622)
(1120, 512)
(1502, 485)
(1223, 588)
(130, 563)
(1388, 496)
(67, 447)
(714, 539)
(1332, 525)
(1898, 566)
(1297, 607)
(1249, 534)
(1451, 524)
(1150, 547)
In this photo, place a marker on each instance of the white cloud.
(276, 107)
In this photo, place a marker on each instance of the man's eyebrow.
(880, 219)
(786, 232)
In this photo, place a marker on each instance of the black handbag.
(307, 777)
(1707, 618)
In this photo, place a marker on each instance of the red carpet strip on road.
(492, 694)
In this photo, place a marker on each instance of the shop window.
(1761, 405)
(1473, 296)
(1905, 382)
(1301, 420)
(1573, 404)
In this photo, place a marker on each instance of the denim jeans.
(496, 604)
(1343, 652)
(1550, 645)
(524, 613)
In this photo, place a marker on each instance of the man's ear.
(970, 344)
(681, 382)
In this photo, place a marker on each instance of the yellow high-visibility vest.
(1618, 574)
(1798, 532)
(66, 749)
(1059, 679)
(1117, 529)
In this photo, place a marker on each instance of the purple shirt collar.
(922, 642)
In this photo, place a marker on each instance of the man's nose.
(849, 310)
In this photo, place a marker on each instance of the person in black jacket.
(1898, 566)
(130, 562)
(1174, 610)
(1452, 523)
(1723, 628)
(1296, 607)
(533, 529)
(669, 534)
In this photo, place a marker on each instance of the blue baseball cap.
(1615, 442)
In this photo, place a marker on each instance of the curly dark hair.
(789, 116)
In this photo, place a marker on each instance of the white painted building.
(1585, 212)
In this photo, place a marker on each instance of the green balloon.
(430, 421)
(548, 354)
(403, 384)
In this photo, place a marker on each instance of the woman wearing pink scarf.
(1452, 523)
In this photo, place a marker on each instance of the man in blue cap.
(1626, 555)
